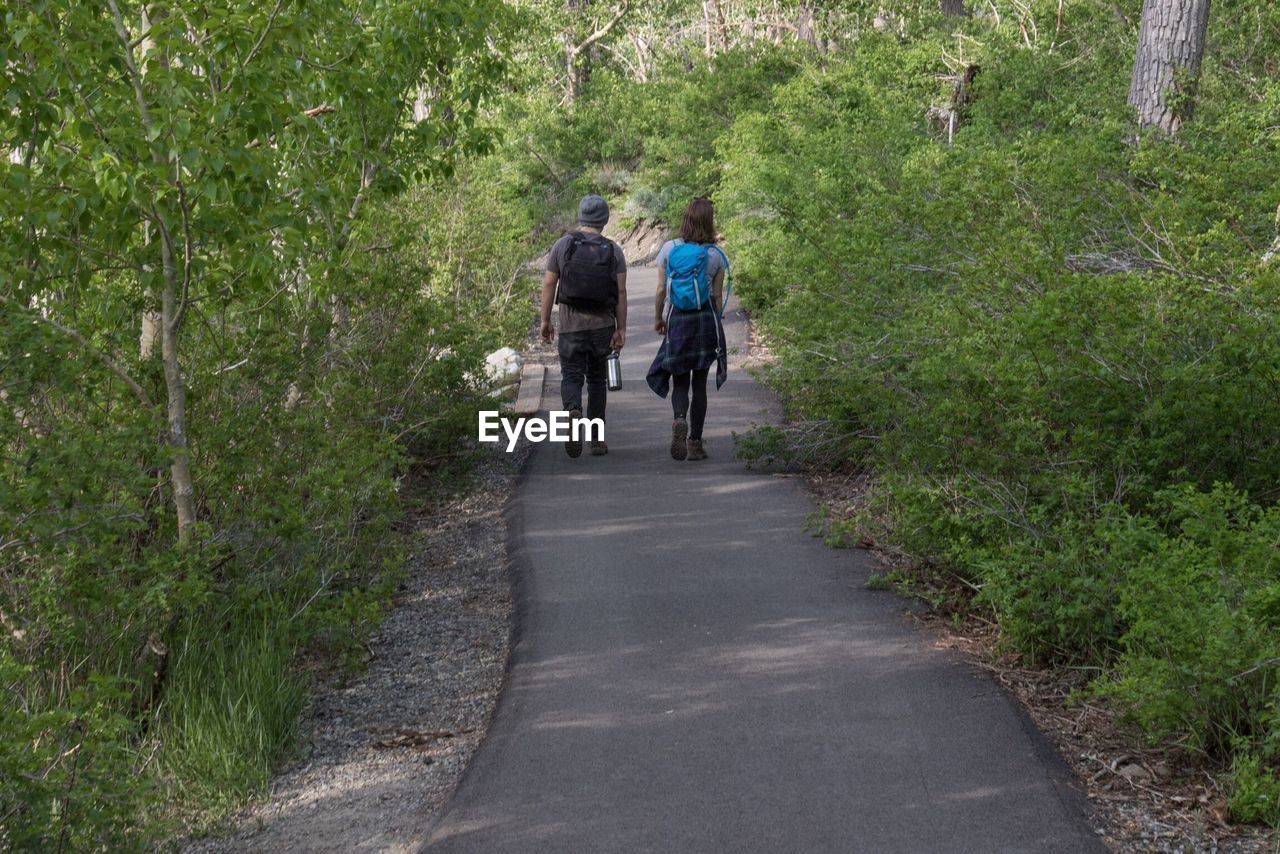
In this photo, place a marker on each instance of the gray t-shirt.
(578, 319)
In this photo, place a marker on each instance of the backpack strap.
(576, 238)
(728, 278)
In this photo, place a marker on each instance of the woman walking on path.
(687, 308)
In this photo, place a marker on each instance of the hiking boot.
(695, 450)
(573, 447)
(598, 448)
(679, 431)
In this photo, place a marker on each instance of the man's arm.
(620, 334)
(549, 280)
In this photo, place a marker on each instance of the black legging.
(680, 399)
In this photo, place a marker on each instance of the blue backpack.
(688, 285)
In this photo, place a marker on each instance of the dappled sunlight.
(980, 793)
(598, 721)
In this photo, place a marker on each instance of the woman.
(687, 309)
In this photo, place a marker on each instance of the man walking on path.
(587, 277)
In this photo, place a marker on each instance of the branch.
(366, 181)
(135, 77)
(257, 46)
(109, 363)
(603, 31)
(186, 253)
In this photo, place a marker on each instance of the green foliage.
(328, 267)
(1256, 797)
(1201, 609)
(66, 769)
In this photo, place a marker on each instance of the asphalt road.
(694, 672)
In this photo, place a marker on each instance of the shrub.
(1201, 651)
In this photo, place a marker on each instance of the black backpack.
(587, 273)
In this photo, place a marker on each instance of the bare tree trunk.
(1274, 250)
(1167, 65)
(707, 45)
(573, 51)
(954, 9)
(805, 25)
(184, 501)
(149, 335)
(172, 297)
(642, 57)
(150, 332)
(950, 117)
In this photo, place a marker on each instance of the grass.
(230, 712)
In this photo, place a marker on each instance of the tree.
(954, 9)
(1167, 66)
(174, 156)
(575, 47)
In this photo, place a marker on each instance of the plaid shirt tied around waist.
(695, 340)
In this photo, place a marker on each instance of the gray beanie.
(593, 211)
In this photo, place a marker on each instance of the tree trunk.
(1165, 71)
(573, 50)
(184, 501)
(806, 30)
(954, 9)
(708, 46)
(173, 293)
(642, 57)
(150, 332)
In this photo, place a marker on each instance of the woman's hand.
(660, 326)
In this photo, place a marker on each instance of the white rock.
(502, 366)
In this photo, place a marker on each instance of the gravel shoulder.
(382, 752)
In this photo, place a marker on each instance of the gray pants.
(582, 357)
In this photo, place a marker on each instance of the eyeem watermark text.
(558, 428)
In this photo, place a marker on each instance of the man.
(587, 276)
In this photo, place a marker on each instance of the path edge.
(516, 570)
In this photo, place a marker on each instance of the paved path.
(693, 672)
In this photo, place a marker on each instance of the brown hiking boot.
(679, 431)
(695, 450)
(573, 447)
(598, 448)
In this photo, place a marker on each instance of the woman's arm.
(717, 290)
(660, 301)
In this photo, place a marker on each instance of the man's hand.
(619, 339)
(548, 333)
(660, 326)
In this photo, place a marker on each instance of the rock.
(502, 367)
(1134, 772)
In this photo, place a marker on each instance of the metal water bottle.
(615, 371)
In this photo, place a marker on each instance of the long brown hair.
(699, 222)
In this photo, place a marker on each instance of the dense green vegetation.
(1048, 332)
(296, 215)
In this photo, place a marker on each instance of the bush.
(1201, 606)
(1256, 796)
(1050, 339)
